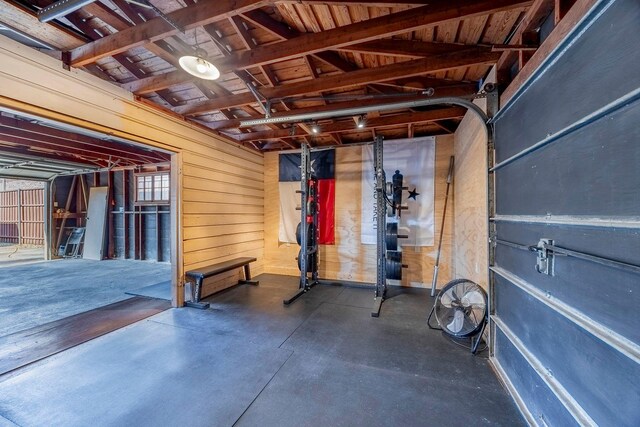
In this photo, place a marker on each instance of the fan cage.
(461, 308)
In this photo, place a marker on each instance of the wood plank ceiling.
(303, 56)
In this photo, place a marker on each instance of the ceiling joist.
(438, 12)
(354, 78)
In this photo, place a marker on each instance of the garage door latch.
(545, 260)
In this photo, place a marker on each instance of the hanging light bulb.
(201, 66)
(361, 122)
(198, 66)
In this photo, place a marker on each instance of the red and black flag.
(323, 169)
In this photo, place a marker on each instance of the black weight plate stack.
(310, 237)
(391, 236)
(310, 261)
(394, 265)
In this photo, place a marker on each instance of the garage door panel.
(542, 403)
(591, 172)
(581, 188)
(622, 244)
(595, 374)
(572, 90)
(583, 286)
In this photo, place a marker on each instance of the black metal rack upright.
(308, 215)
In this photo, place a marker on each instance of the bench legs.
(196, 289)
(196, 293)
(247, 277)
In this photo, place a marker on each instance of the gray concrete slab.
(147, 374)
(315, 390)
(6, 423)
(12, 255)
(35, 294)
(254, 314)
(391, 342)
(160, 290)
(321, 361)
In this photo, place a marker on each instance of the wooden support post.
(157, 234)
(561, 7)
(19, 217)
(529, 38)
(110, 226)
(125, 205)
(48, 220)
(67, 206)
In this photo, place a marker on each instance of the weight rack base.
(377, 305)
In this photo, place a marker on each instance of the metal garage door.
(566, 311)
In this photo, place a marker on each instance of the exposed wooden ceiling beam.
(206, 12)
(532, 20)
(406, 48)
(20, 150)
(365, 101)
(378, 3)
(438, 12)
(349, 125)
(24, 20)
(351, 79)
(263, 20)
(76, 144)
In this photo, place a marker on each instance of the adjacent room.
(311, 213)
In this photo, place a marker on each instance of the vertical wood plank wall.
(348, 259)
(471, 233)
(22, 216)
(471, 229)
(221, 197)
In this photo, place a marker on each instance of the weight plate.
(310, 236)
(310, 261)
(393, 264)
(391, 236)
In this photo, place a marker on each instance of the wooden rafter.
(438, 12)
(157, 29)
(34, 135)
(349, 125)
(351, 79)
(407, 48)
(363, 102)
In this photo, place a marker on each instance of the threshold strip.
(31, 345)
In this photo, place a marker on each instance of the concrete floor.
(37, 293)
(250, 361)
(12, 255)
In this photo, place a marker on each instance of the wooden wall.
(471, 230)
(221, 184)
(348, 259)
(470, 201)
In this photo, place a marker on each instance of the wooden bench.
(200, 274)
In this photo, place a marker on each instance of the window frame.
(153, 189)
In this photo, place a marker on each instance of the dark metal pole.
(444, 215)
(381, 213)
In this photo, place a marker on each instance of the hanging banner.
(415, 159)
(322, 167)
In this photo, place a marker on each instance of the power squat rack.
(389, 257)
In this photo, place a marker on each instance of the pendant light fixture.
(197, 65)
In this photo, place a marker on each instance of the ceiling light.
(361, 122)
(315, 129)
(197, 65)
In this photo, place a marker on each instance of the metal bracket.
(546, 260)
